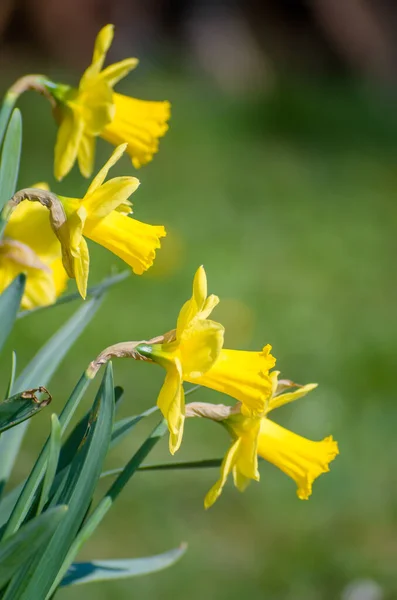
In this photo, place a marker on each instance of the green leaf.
(10, 300)
(12, 374)
(107, 501)
(209, 463)
(103, 570)
(52, 461)
(17, 409)
(124, 426)
(39, 372)
(27, 492)
(30, 539)
(95, 290)
(77, 493)
(10, 157)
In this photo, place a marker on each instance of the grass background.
(289, 200)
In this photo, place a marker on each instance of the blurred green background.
(288, 198)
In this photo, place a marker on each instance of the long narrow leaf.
(27, 541)
(10, 157)
(12, 374)
(95, 290)
(39, 372)
(10, 300)
(29, 489)
(77, 493)
(209, 463)
(103, 570)
(52, 462)
(17, 409)
(107, 501)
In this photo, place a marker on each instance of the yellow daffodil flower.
(103, 216)
(302, 459)
(243, 375)
(193, 349)
(30, 246)
(94, 109)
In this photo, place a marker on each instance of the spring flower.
(243, 375)
(30, 246)
(103, 216)
(301, 459)
(192, 350)
(94, 109)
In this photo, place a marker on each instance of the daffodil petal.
(140, 123)
(172, 405)
(109, 196)
(226, 468)
(288, 397)
(133, 241)
(113, 73)
(76, 225)
(200, 347)
(301, 459)
(102, 44)
(68, 140)
(86, 154)
(199, 305)
(243, 375)
(103, 173)
(82, 267)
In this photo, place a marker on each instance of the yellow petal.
(288, 397)
(102, 44)
(199, 347)
(95, 106)
(68, 140)
(86, 155)
(59, 276)
(109, 196)
(26, 221)
(113, 73)
(76, 223)
(103, 173)
(133, 241)
(82, 267)
(199, 306)
(301, 459)
(172, 405)
(140, 123)
(226, 468)
(242, 375)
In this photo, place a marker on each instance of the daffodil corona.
(103, 216)
(301, 459)
(94, 109)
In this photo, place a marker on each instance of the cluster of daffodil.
(46, 238)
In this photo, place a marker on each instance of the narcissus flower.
(243, 375)
(103, 216)
(302, 459)
(30, 246)
(192, 350)
(94, 109)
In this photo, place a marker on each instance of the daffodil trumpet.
(103, 215)
(94, 110)
(301, 459)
